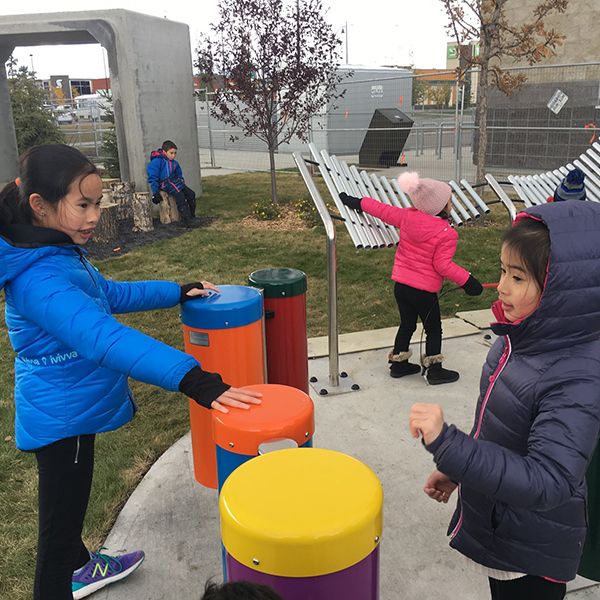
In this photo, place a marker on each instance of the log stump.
(122, 192)
(142, 212)
(167, 209)
(107, 228)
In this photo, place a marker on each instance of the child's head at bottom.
(239, 590)
(524, 262)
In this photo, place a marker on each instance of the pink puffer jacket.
(426, 249)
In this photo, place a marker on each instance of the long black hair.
(530, 239)
(47, 170)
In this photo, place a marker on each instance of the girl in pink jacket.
(423, 260)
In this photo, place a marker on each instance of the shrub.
(265, 210)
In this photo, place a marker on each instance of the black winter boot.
(399, 365)
(435, 374)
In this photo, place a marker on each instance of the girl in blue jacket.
(73, 357)
(520, 473)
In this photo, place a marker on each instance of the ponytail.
(47, 170)
(12, 209)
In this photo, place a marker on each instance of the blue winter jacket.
(164, 174)
(72, 356)
(522, 493)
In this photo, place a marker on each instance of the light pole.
(31, 58)
(346, 31)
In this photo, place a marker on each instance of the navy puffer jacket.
(522, 492)
(72, 356)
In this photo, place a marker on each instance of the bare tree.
(279, 62)
(499, 41)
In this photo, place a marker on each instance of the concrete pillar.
(8, 139)
(151, 78)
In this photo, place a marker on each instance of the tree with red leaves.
(279, 62)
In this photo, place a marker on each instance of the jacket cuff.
(435, 445)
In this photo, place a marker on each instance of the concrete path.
(176, 521)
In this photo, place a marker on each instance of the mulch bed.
(127, 239)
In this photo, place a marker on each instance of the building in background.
(561, 92)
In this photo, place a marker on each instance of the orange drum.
(224, 333)
(284, 419)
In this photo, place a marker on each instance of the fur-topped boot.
(435, 374)
(399, 365)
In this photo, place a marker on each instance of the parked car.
(66, 117)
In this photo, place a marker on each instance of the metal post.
(439, 141)
(210, 141)
(334, 373)
(458, 165)
(456, 101)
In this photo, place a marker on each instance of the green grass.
(225, 252)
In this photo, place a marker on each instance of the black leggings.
(413, 304)
(527, 588)
(65, 478)
(186, 201)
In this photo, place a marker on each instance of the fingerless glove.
(202, 387)
(351, 201)
(472, 287)
(185, 288)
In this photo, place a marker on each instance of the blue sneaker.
(103, 569)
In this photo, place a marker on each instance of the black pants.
(65, 478)
(186, 201)
(413, 303)
(527, 588)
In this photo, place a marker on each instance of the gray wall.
(151, 78)
(367, 90)
(543, 148)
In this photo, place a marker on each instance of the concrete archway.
(150, 68)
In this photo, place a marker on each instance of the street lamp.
(345, 30)
(32, 69)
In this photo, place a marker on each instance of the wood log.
(142, 212)
(122, 195)
(107, 228)
(167, 208)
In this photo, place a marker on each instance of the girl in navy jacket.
(520, 473)
(73, 357)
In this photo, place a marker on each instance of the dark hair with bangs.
(239, 590)
(168, 145)
(47, 170)
(529, 238)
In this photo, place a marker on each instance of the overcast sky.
(384, 32)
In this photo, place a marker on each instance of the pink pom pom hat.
(427, 195)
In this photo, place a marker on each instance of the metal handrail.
(334, 372)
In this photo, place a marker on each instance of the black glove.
(202, 387)
(351, 201)
(185, 288)
(156, 198)
(472, 287)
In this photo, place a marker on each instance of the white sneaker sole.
(94, 587)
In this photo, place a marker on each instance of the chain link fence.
(550, 120)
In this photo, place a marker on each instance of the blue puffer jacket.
(73, 357)
(164, 174)
(522, 493)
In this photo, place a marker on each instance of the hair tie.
(18, 182)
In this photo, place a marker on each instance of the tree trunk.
(482, 137)
(142, 213)
(167, 209)
(274, 197)
(122, 192)
(107, 228)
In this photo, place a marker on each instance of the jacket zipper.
(84, 263)
(492, 381)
